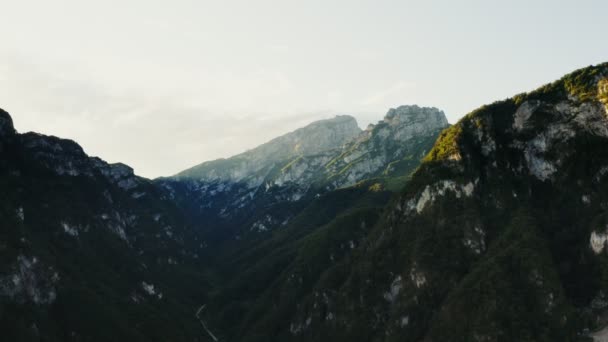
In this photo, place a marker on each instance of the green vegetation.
(583, 83)
(602, 87)
(447, 144)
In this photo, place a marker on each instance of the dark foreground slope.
(88, 251)
(499, 236)
(91, 252)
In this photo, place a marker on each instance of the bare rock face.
(315, 138)
(405, 132)
(409, 121)
(252, 166)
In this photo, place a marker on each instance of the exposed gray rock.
(409, 121)
(400, 135)
(29, 281)
(255, 164)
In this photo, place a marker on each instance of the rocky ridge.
(79, 238)
(251, 183)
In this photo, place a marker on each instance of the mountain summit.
(391, 147)
(415, 120)
(317, 137)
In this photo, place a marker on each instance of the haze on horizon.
(163, 86)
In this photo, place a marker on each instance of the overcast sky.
(164, 85)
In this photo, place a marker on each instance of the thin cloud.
(157, 136)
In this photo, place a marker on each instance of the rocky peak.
(404, 122)
(392, 146)
(6, 124)
(406, 115)
(316, 137)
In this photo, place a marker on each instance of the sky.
(165, 85)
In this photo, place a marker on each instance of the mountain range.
(491, 229)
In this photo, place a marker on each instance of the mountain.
(500, 235)
(497, 232)
(253, 166)
(88, 250)
(391, 148)
(266, 187)
(92, 252)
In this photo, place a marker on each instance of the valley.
(490, 229)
